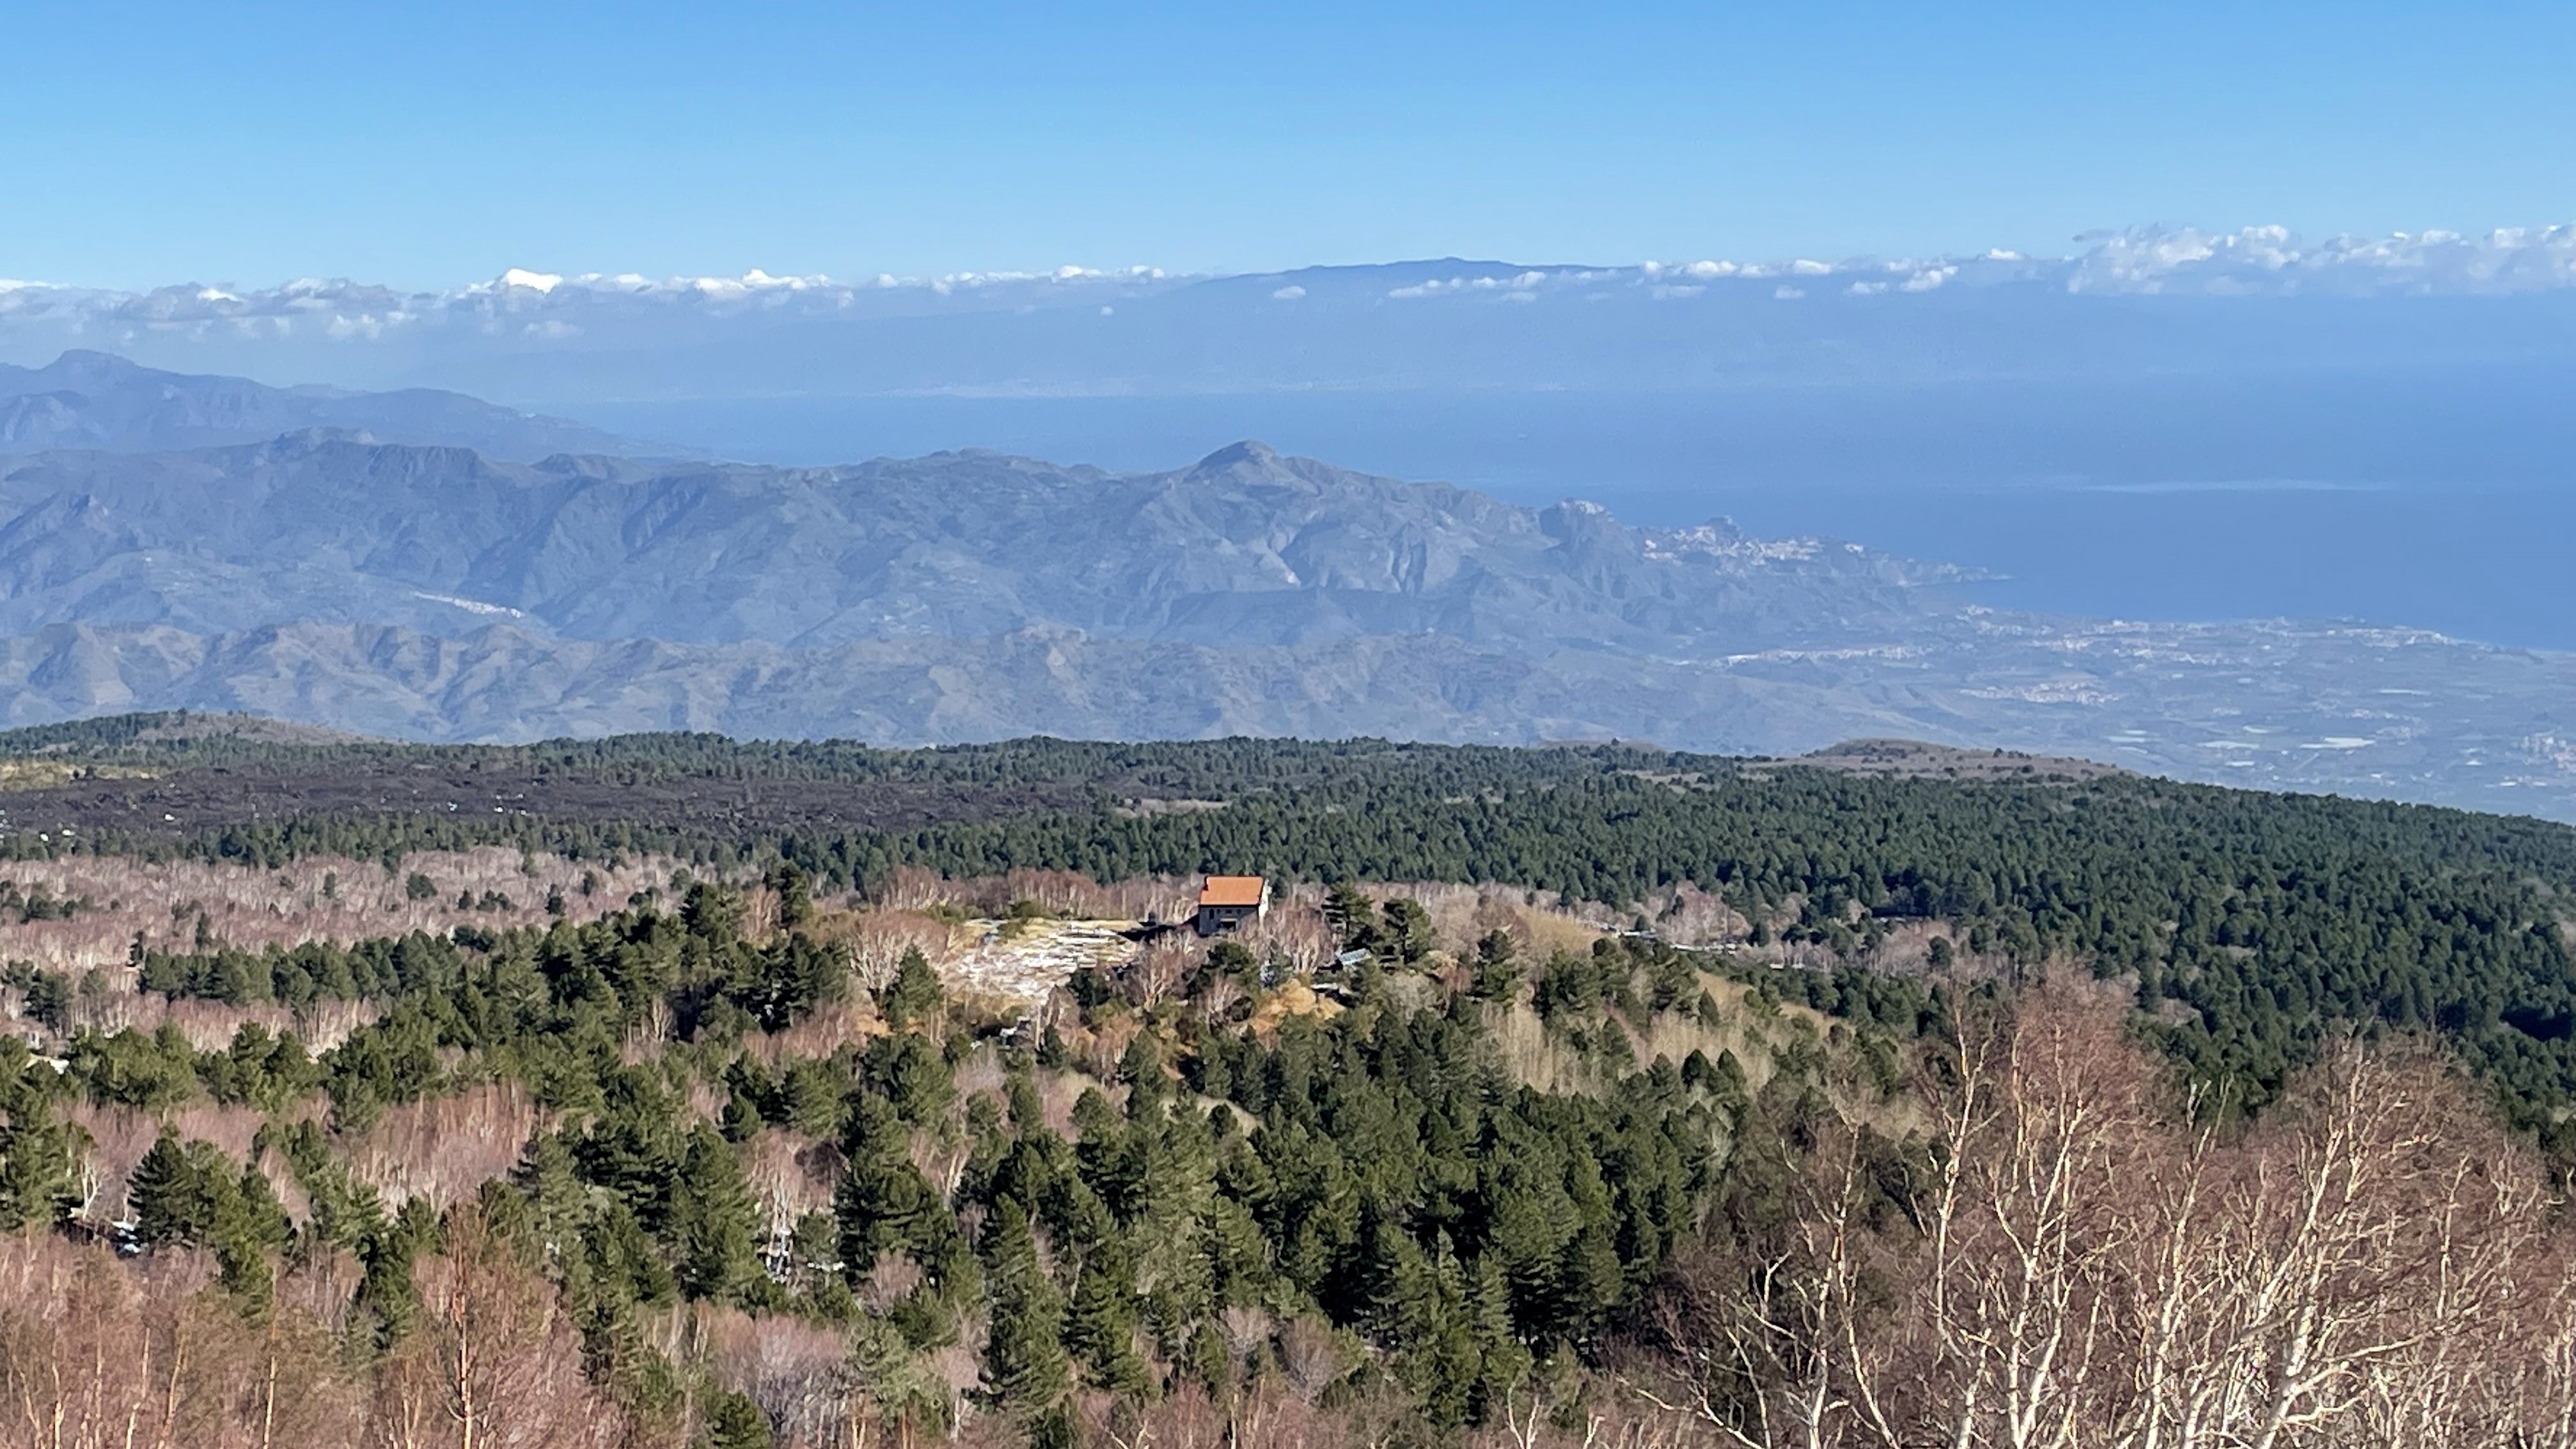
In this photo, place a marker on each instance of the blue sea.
(2442, 498)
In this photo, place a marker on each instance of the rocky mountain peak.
(1249, 453)
(81, 366)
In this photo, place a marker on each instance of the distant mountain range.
(97, 400)
(2133, 304)
(1244, 549)
(434, 591)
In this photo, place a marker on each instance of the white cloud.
(1866, 289)
(610, 306)
(1518, 286)
(750, 282)
(2271, 259)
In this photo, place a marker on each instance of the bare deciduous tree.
(2079, 1262)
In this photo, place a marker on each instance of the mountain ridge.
(430, 591)
(1246, 545)
(91, 399)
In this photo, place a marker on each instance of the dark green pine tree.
(795, 895)
(167, 1196)
(1408, 932)
(1100, 1321)
(735, 1422)
(1530, 1224)
(913, 996)
(1347, 905)
(388, 1292)
(1500, 1357)
(739, 1120)
(809, 1095)
(913, 1075)
(1142, 1070)
(1428, 1314)
(244, 1223)
(1206, 1359)
(1024, 1361)
(36, 1169)
(714, 1227)
(254, 1211)
(884, 1202)
(551, 1182)
(1392, 1282)
(1054, 1429)
(1588, 1284)
(1498, 974)
(619, 1257)
(712, 913)
(510, 1221)
(617, 1351)
(1239, 1267)
(635, 1144)
(243, 1268)
(1109, 1152)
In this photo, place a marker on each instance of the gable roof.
(1233, 890)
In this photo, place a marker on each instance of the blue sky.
(430, 144)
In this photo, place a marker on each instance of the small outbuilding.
(1227, 901)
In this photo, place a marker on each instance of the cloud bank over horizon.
(2146, 260)
(816, 368)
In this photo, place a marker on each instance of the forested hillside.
(2251, 925)
(1653, 1099)
(1132, 1199)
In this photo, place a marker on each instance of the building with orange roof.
(1227, 901)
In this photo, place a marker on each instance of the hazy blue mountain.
(434, 592)
(2167, 424)
(86, 399)
(1243, 548)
